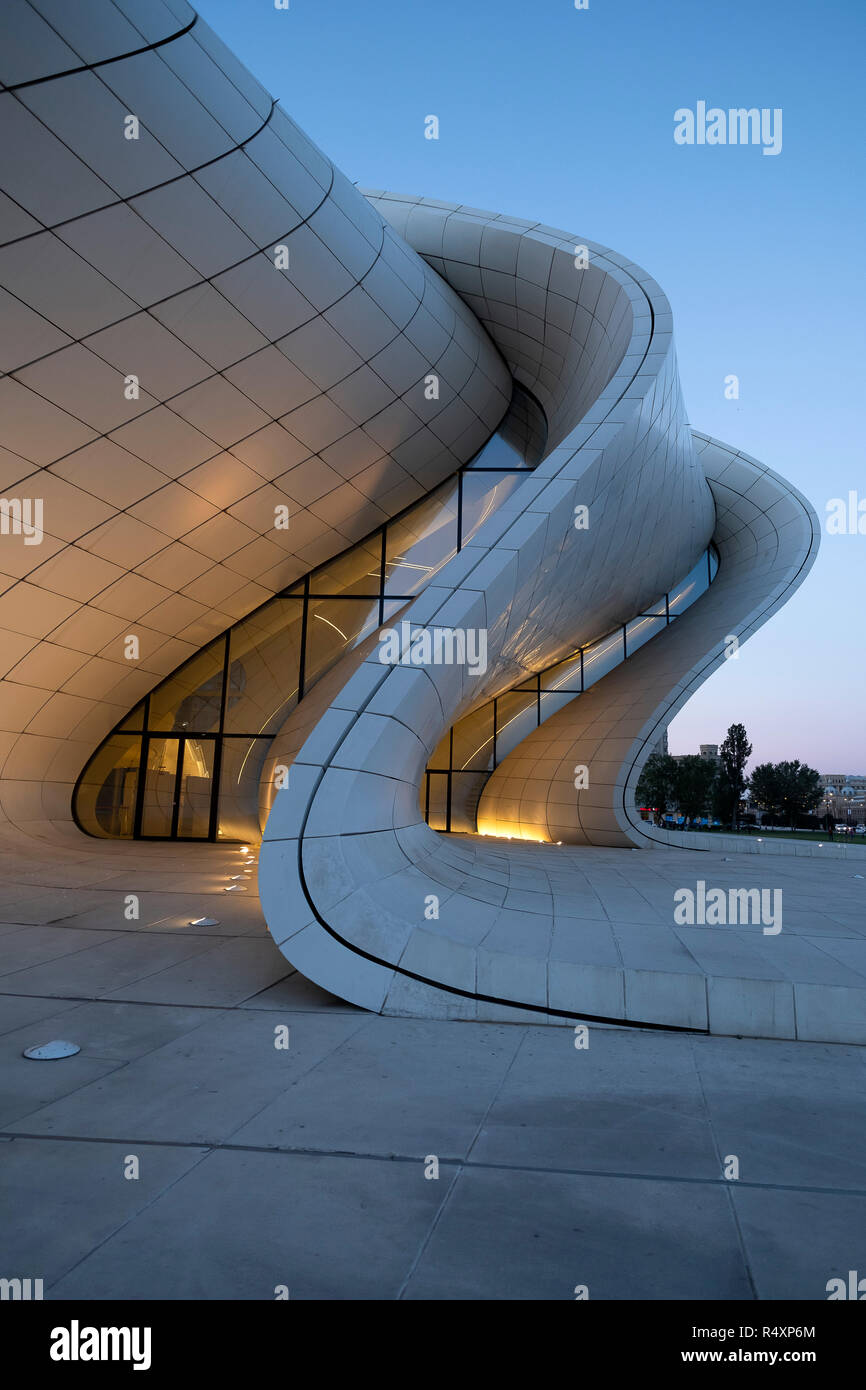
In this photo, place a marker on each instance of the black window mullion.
(142, 773)
(218, 747)
(214, 791)
(175, 814)
(213, 818)
(303, 658)
(225, 687)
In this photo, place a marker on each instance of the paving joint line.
(450, 1161)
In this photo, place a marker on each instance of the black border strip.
(101, 62)
(467, 993)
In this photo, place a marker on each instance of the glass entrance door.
(176, 793)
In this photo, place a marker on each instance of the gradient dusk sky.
(566, 116)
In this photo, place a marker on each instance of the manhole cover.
(50, 1051)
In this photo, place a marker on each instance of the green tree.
(655, 787)
(693, 784)
(766, 786)
(732, 782)
(722, 802)
(801, 788)
(787, 790)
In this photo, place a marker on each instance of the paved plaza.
(305, 1165)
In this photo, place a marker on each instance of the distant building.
(708, 751)
(844, 797)
(844, 783)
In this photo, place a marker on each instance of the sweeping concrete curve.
(204, 320)
(167, 228)
(359, 893)
(767, 538)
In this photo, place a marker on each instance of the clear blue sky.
(566, 117)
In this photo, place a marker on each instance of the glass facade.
(185, 763)
(472, 748)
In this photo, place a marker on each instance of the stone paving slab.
(325, 1227)
(64, 1198)
(402, 1086)
(558, 1165)
(530, 1235)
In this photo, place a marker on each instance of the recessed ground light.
(234, 876)
(203, 922)
(235, 888)
(51, 1051)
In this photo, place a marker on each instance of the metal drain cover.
(50, 1051)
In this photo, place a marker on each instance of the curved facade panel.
(767, 538)
(590, 336)
(205, 322)
(352, 879)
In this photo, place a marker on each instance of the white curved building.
(256, 424)
(202, 323)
